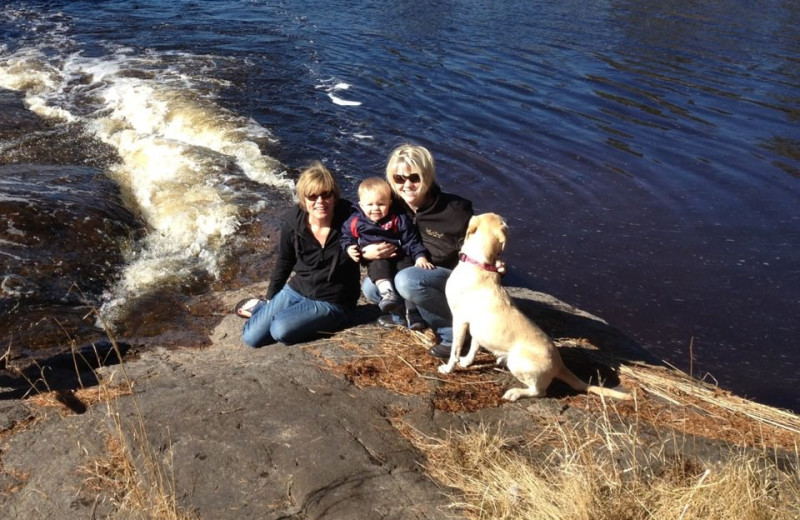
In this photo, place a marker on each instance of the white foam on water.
(6, 253)
(28, 72)
(331, 85)
(344, 102)
(16, 286)
(177, 147)
(12, 198)
(12, 230)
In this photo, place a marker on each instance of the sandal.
(244, 309)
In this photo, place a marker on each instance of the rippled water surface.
(646, 154)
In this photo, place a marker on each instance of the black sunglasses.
(325, 195)
(413, 178)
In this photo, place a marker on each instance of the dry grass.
(130, 474)
(606, 467)
(134, 480)
(398, 360)
(112, 475)
(679, 402)
(601, 473)
(88, 397)
(15, 479)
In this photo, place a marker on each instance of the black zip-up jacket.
(323, 273)
(442, 226)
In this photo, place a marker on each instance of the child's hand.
(423, 263)
(354, 253)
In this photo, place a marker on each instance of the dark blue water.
(646, 154)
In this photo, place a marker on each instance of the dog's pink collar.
(487, 267)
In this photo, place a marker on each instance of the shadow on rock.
(364, 314)
(558, 320)
(61, 373)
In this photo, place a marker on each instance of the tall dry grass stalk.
(132, 474)
(602, 470)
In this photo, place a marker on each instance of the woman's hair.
(409, 158)
(374, 185)
(315, 179)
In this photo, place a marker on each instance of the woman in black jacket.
(322, 294)
(442, 220)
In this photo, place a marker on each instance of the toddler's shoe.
(389, 321)
(390, 302)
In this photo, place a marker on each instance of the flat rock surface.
(274, 433)
(248, 434)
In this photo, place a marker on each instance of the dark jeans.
(386, 268)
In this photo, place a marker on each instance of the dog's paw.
(513, 394)
(464, 362)
(445, 369)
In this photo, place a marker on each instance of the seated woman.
(442, 220)
(322, 294)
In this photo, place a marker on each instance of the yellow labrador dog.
(481, 305)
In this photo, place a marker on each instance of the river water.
(645, 154)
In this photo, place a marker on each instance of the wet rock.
(63, 232)
(17, 119)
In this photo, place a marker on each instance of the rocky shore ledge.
(331, 429)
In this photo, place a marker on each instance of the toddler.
(376, 222)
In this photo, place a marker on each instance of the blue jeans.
(425, 288)
(289, 317)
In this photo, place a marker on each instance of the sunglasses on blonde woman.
(325, 195)
(413, 178)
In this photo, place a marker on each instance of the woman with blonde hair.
(442, 220)
(322, 294)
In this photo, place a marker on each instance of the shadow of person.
(61, 373)
(365, 313)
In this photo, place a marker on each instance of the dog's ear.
(472, 227)
(501, 233)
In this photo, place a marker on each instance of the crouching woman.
(322, 294)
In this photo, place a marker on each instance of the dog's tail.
(566, 375)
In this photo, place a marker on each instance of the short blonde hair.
(412, 157)
(315, 179)
(374, 185)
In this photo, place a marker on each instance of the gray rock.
(243, 434)
(251, 434)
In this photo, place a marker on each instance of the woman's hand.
(423, 263)
(379, 251)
